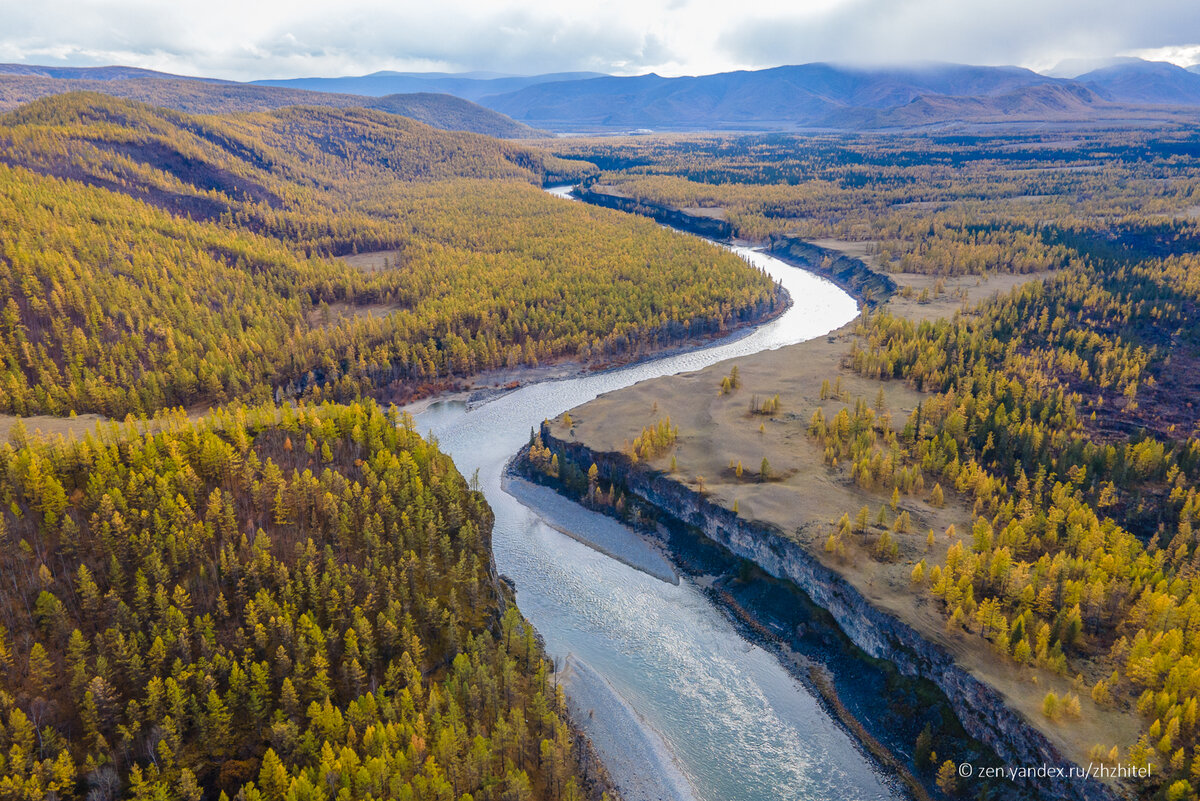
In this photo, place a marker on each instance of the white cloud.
(273, 38)
(1032, 33)
(1183, 55)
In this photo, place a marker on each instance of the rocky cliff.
(667, 215)
(851, 274)
(980, 708)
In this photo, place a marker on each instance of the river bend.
(681, 705)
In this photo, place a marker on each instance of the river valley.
(677, 701)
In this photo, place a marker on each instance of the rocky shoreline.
(680, 220)
(853, 275)
(979, 707)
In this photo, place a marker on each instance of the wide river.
(681, 705)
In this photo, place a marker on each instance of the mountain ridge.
(21, 84)
(830, 96)
(1137, 81)
(815, 96)
(470, 85)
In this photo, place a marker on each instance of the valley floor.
(804, 497)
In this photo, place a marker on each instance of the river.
(678, 703)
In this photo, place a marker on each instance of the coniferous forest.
(150, 259)
(274, 604)
(292, 599)
(265, 584)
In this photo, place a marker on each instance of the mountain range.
(817, 96)
(830, 96)
(467, 85)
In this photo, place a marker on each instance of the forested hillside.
(20, 85)
(153, 259)
(291, 603)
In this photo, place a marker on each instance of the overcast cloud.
(247, 39)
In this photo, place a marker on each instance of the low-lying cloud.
(1025, 32)
(270, 38)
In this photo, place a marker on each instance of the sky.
(248, 39)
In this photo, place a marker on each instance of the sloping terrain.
(20, 84)
(320, 613)
(152, 259)
(469, 85)
(826, 96)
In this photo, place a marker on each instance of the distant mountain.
(1057, 102)
(815, 96)
(809, 95)
(93, 73)
(1074, 67)
(1137, 81)
(468, 85)
(20, 84)
(829, 96)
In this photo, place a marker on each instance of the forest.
(274, 603)
(1047, 412)
(293, 597)
(151, 259)
(947, 205)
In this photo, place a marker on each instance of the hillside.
(1137, 81)
(156, 259)
(21, 84)
(824, 96)
(111, 73)
(1044, 102)
(451, 114)
(264, 603)
(471, 86)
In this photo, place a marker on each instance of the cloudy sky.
(246, 39)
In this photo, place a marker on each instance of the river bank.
(801, 502)
(848, 272)
(635, 753)
(661, 650)
(473, 389)
(488, 385)
(604, 534)
(884, 710)
(737, 724)
(795, 511)
(695, 521)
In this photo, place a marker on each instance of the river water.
(682, 706)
